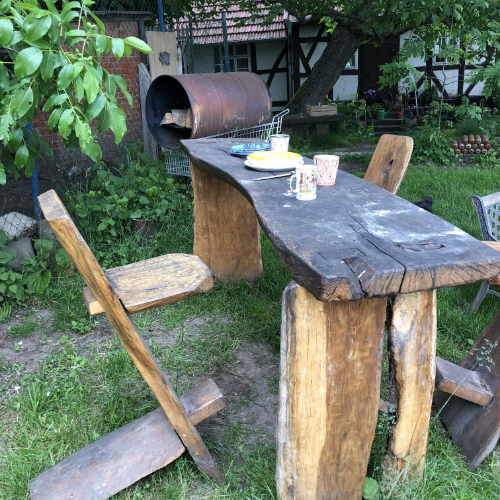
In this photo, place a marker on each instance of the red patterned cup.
(327, 169)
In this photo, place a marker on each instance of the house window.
(352, 64)
(239, 57)
(440, 45)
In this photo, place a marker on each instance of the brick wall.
(118, 24)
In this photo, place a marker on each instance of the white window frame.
(235, 57)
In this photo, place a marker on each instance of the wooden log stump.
(226, 229)
(331, 357)
(412, 353)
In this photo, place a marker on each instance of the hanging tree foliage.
(355, 22)
(54, 62)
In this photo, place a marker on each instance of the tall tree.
(353, 23)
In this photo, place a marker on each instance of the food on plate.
(273, 156)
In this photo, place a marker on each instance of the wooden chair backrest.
(82, 257)
(390, 162)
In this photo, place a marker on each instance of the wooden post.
(412, 346)
(331, 357)
(226, 229)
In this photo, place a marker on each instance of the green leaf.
(22, 155)
(102, 226)
(102, 120)
(4, 77)
(96, 107)
(100, 43)
(4, 6)
(117, 122)
(76, 33)
(38, 280)
(138, 44)
(79, 91)
(6, 257)
(50, 5)
(91, 86)
(48, 65)
(30, 165)
(65, 122)
(54, 118)
(38, 28)
(117, 45)
(54, 100)
(127, 49)
(6, 31)
(4, 239)
(65, 77)
(371, 489)
(77, 68)
(136, 215)
(10, 166)
(16, 138)
(123, 87)
(93, 150)
(43, 248)
(22, 102)
(28, 61)
(97, 20)
(3, 176)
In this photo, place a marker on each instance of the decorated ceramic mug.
(305, 177)
(279, 142)
(327, 169)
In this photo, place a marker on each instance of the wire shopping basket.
(177, 162)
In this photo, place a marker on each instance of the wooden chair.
(488, 210)
(390, 161)
(119, 459)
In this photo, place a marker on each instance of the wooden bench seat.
(155, 282)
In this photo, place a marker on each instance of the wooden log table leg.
(226, 229)
(331, 358)
(412, 348)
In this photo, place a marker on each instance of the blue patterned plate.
(244, 150)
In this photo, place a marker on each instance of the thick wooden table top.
(355, 240)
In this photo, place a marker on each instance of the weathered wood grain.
(474, 429)
(412, 348)
(226, 230)
(81, 255)
(330, 368)
(155, 282)
(354, 241)
(390, 161)
(463, 383)
(119, 459)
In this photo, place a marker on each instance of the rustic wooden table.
(349, 251)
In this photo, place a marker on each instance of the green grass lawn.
(71, 401)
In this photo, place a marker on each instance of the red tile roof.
(211, 31)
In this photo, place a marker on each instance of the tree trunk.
(325, 73)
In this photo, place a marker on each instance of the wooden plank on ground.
(119, 459)
(412, 353)
(183, 117)
(474, 429)
(330, 369)
(463, 383)
(68, 235)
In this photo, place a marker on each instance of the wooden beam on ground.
(330, 369)
(119, 459)
(412, 353)
(463, 383)
(167, 119)
(474, 429)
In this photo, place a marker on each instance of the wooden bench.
(349, 251)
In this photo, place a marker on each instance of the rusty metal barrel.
(220, 102)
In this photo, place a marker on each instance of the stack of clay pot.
(470, 144)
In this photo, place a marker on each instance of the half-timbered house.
(284, 53)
